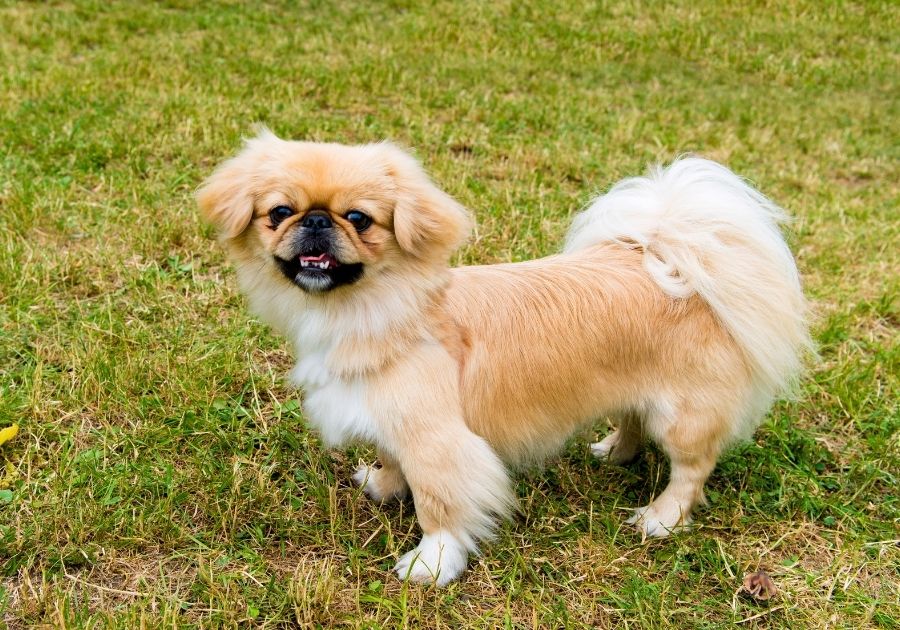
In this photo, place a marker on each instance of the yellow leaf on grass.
(8, 433)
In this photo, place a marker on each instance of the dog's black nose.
(317, 221)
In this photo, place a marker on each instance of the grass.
(163, 475)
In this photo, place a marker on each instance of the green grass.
(163, 474)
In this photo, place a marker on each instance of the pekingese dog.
(675, 309)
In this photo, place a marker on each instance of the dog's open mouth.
(322, 261)
(318, 271)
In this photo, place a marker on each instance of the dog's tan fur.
(462, 370)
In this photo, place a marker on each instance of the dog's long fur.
(675, 308)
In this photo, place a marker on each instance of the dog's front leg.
(460, 487)
(458, 482)
(382, 482)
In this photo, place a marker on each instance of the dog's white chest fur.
(335, 406)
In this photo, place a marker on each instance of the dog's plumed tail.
(703, 230)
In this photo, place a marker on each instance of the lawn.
(163, 474)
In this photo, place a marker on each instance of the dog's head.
(329, 215)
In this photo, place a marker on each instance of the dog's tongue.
(315, 259)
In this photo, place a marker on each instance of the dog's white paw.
(379, 485)
(604, 447)
(612, 449)
(363, 478)
(439, 558)
(658, 521)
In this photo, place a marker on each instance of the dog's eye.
(359, 220)
(279, 214)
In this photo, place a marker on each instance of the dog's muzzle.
(314, 265)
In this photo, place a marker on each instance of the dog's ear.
(226, 200)
(428, 223)
(226, 197)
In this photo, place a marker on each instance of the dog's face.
(328, 215)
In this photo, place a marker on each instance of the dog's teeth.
(325, 264)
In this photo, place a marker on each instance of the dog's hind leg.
(622, 445)
(693, 442)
